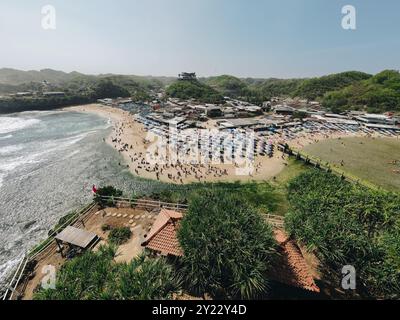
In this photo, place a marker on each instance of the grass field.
(373, 160)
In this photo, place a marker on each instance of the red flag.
(94, 189)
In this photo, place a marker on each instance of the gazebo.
(76, 237)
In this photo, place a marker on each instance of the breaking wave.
(11, 124)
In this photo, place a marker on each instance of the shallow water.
(48, 163)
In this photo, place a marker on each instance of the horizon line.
(176, 76)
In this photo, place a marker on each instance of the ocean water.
(48, 163)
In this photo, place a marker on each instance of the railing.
(275, 221)
(318, 163)
(46, 243)
(32, 254)
(151, 204)
(12, 286)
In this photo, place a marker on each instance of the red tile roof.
(163, 234)
(292, 268)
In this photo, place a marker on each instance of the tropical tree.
(228, 247)
(345, 224)
(109, 192)
(88, 277)
(96, 276)
(147, 279)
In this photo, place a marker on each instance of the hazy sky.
(258, 38)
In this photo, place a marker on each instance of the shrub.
(119, 235)
(108, 191)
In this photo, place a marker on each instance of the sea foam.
(11, 124)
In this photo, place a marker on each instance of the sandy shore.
(128, 137)
(131, 140)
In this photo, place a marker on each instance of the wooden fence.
(318, 163)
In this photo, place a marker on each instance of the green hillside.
(259, 90)
(194, 89)
(379, 93)
(338, 92)
(316, 87)
(226, 85)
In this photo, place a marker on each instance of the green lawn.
(292, 170)
(369, 159)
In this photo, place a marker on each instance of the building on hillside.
(334, 120)
(283, 110)
(381, 126)
(166, 118)
(213, 111)
(376, 118)
(266, 106)
(24, 94)
(54, 94)
(187, 76)
(105, 101)
(238, 123)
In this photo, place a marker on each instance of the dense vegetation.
(120, 235)
(10, 105)
(338, 92)
(316, 87)
(228, 247)
(78, 88)
(96, 276)
(194, 89)
(227, 85)
(110, 193)
(346, 224)
(259, 90)
(379, 93)
(261, 195)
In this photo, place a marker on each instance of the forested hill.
(337, 92)
(194, 89)
(311, 88)
(350, 90)
(12, 80)
(379, 93)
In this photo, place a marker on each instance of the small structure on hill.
(187, 76)
(75, 237)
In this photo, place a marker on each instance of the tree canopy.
(194, 89)
(96, 276)
(346, 224)
(227, 85)
(379, 93)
